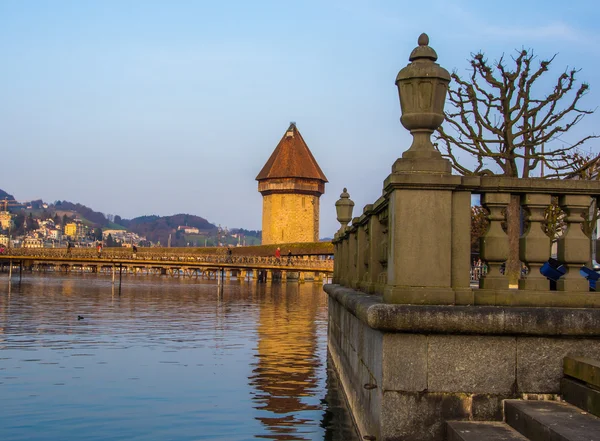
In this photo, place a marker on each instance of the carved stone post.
(494, 244)
(574, 245)
(343, 207)
(420, 191)
(534, 245)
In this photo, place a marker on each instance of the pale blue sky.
(162, 107)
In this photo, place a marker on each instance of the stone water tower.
(291, 183)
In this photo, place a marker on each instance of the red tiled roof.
(291, 159)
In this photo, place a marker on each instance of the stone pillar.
(375, 267)
(494, 243)
(534, 245)
(419, 267)
(336, 261)
(352, 255)
(269, 275)
(254, 275)
(343, 275)
(301, 277)
(283, 275)
(362, 252)
(574, 245)
(343, 207)
(241, 274)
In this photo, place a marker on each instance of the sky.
(139, 107)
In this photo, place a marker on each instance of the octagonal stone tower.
(291, 183)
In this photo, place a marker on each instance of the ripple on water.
(254, 358)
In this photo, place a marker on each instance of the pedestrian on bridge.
(278, 256)
(289, 258)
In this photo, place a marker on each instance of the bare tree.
(497, 116)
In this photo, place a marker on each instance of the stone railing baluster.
(494, 243)
(534, 245)
(574, 245)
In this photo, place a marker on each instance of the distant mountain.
(4, 195)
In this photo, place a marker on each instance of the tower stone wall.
(289, 217)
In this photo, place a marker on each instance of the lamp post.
(422, 87)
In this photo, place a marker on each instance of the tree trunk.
(513, 230)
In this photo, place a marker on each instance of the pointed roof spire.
(291, 159)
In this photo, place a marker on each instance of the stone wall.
(404, 376)
(289, 217)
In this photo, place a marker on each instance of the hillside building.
(5, 220)
(291, 183)
(75, 230)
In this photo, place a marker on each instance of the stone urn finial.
(422, 87)
(344, 206)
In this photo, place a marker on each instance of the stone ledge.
(446, 319)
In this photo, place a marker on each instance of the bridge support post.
(284, 276)
(255, 275)
(301, 277)
(318, 277)
(269, 275)
(10, 263)
(241, 274)
(113, 274)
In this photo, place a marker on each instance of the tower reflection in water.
(289, 356)
(285, 373)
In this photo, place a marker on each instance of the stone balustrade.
(416, 256)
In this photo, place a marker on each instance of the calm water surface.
(167, 359)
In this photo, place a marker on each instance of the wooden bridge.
(175, 262)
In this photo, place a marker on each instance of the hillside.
(157, 228)
(4, 195)
(154, 228)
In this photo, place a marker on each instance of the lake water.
(167, 359)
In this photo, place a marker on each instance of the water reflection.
(166, 359)
(285, 374)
